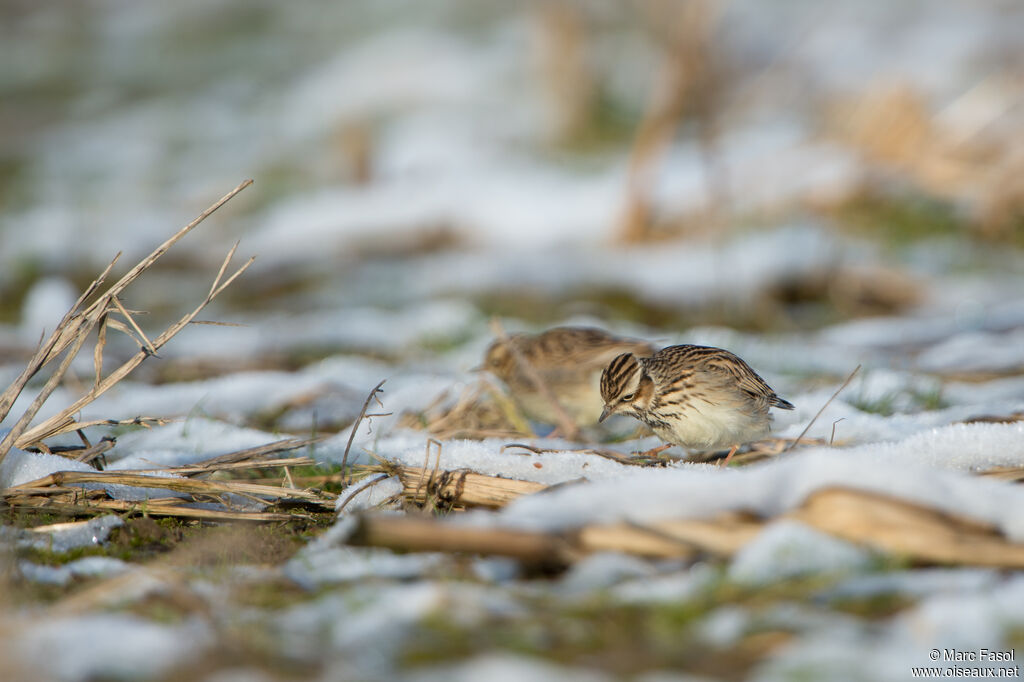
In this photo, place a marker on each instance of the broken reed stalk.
(75, 327)
(355, 425)
(196, 469)
(46, 350)
(823, 407)
(637, 460)
(426, 535)
(246, 457)
(61, 493)
(463, 487)
(151, 508)
(565, 423)
(883, 523)
(62, 479)
(63, 421)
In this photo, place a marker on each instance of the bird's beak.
(478, 368)
(605, 413)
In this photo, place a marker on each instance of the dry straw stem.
(1014, 474)
(425, 535)
(638, 460)
(159, 507)
(462, 487)
(248, 457)
(565, 423)
(183, 485)
(77, 325)
(911, 530)
(480, 411)
(355, 425)
(60, 492)
(883, 523)
(233, 466)
(823, 407)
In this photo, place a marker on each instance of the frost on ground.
(403, 198)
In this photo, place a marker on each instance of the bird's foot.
(653, 452)
(725, 462)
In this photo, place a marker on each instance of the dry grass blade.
(93, 452)
(145, 263)
(249, 456)
(146, 344)
(150, 508)
(823, 407)
(63, 479)
(192, 470)
(61, 422)
(359, 419)
(425, 535)
(636, 460)
(97, 351)
(147, 422)
(76, 326)
(885, 523)
(16, 434)
(46, 350)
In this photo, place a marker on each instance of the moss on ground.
(629, 639)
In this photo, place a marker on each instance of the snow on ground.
(350, 289)
(114, 646)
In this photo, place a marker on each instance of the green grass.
(924, 399)
(901, 219)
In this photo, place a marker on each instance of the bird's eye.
(628, 398)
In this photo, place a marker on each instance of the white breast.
(707, 426)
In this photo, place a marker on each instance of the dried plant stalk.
(246, 457)
(463, 487)
(192, 470)
(425, 535)
(46, 351)
(184, 485)
(721, 536)
(903, 528)
(884, 523)
(149, 508)
(362, 415)
(77, 325)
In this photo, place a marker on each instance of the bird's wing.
(729, 366)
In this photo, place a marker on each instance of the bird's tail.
(781, 403)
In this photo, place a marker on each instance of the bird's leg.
(654, 452)
(725, 462)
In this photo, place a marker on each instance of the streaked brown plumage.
(569, 360)
(698, 397)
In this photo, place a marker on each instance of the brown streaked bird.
(569, 361)
(699, 397)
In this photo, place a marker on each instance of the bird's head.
(625, 387)
(499, 360)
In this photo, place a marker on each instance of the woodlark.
(698, 397)
(568, 360)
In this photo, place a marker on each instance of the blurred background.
(660, 166)
(812, 185)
